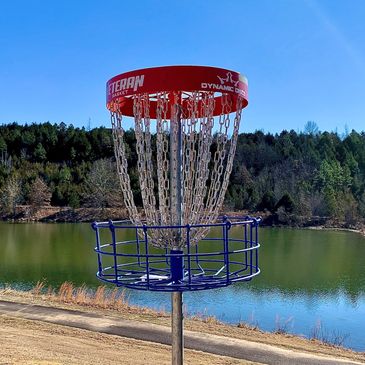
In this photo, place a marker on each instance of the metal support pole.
(177, 326)
(176, 215)
(176, 192)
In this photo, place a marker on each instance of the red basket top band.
(175, 79)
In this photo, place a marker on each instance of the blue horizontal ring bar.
(200, 254)
(116, 224)
(130, 263)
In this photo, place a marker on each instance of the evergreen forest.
(293, 176)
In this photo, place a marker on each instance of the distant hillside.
(295, 176)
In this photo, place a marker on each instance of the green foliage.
(40, 153)
(267, 202)
(301, 174)
(3, 146)
(291, 174)
(286, 202)
(334, 182)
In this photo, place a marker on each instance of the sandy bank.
(77, 346)
(25, 342)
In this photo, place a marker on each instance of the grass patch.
(331, 338)
(283, 326)
(101, 297)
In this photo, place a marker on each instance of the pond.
(311, 280)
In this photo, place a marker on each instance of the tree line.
(292, 175)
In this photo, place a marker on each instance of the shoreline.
(73, 299)
(320, 228)
(51, 214)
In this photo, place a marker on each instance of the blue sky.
(304, 59)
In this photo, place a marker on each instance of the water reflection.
(312, 262)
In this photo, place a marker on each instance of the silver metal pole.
(175, 170)
(176, 214)
(177, 325)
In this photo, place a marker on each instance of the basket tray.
(126, 257)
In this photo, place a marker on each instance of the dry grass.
(334, 338)
(248, 326)
(38, 288)
(208, 319)
(282, 326)
(202, 317)
(68, 293)
(99, 298)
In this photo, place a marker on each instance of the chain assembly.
(208, 148)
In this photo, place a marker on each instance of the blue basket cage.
(214, 262)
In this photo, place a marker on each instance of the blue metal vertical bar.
(166, 256)
(257, 241)
(188, 250)
(96, 228)
(226, 227)
(147, 258)
(112, 230)
(224, 242)
(177, 266)
(245, 237)
(251, 238)
(138, 251)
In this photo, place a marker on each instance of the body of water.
(310, 279)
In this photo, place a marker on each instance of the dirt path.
(26, 342)
(23, 338)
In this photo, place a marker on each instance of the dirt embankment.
(20, 339)
(25, 342)
(24, 213)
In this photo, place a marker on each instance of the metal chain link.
(205, 177)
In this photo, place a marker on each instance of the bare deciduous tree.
(11, 194)
(39, 195)
(102, 187)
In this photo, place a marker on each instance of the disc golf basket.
(186, 123)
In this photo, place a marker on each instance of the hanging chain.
(207, 160)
